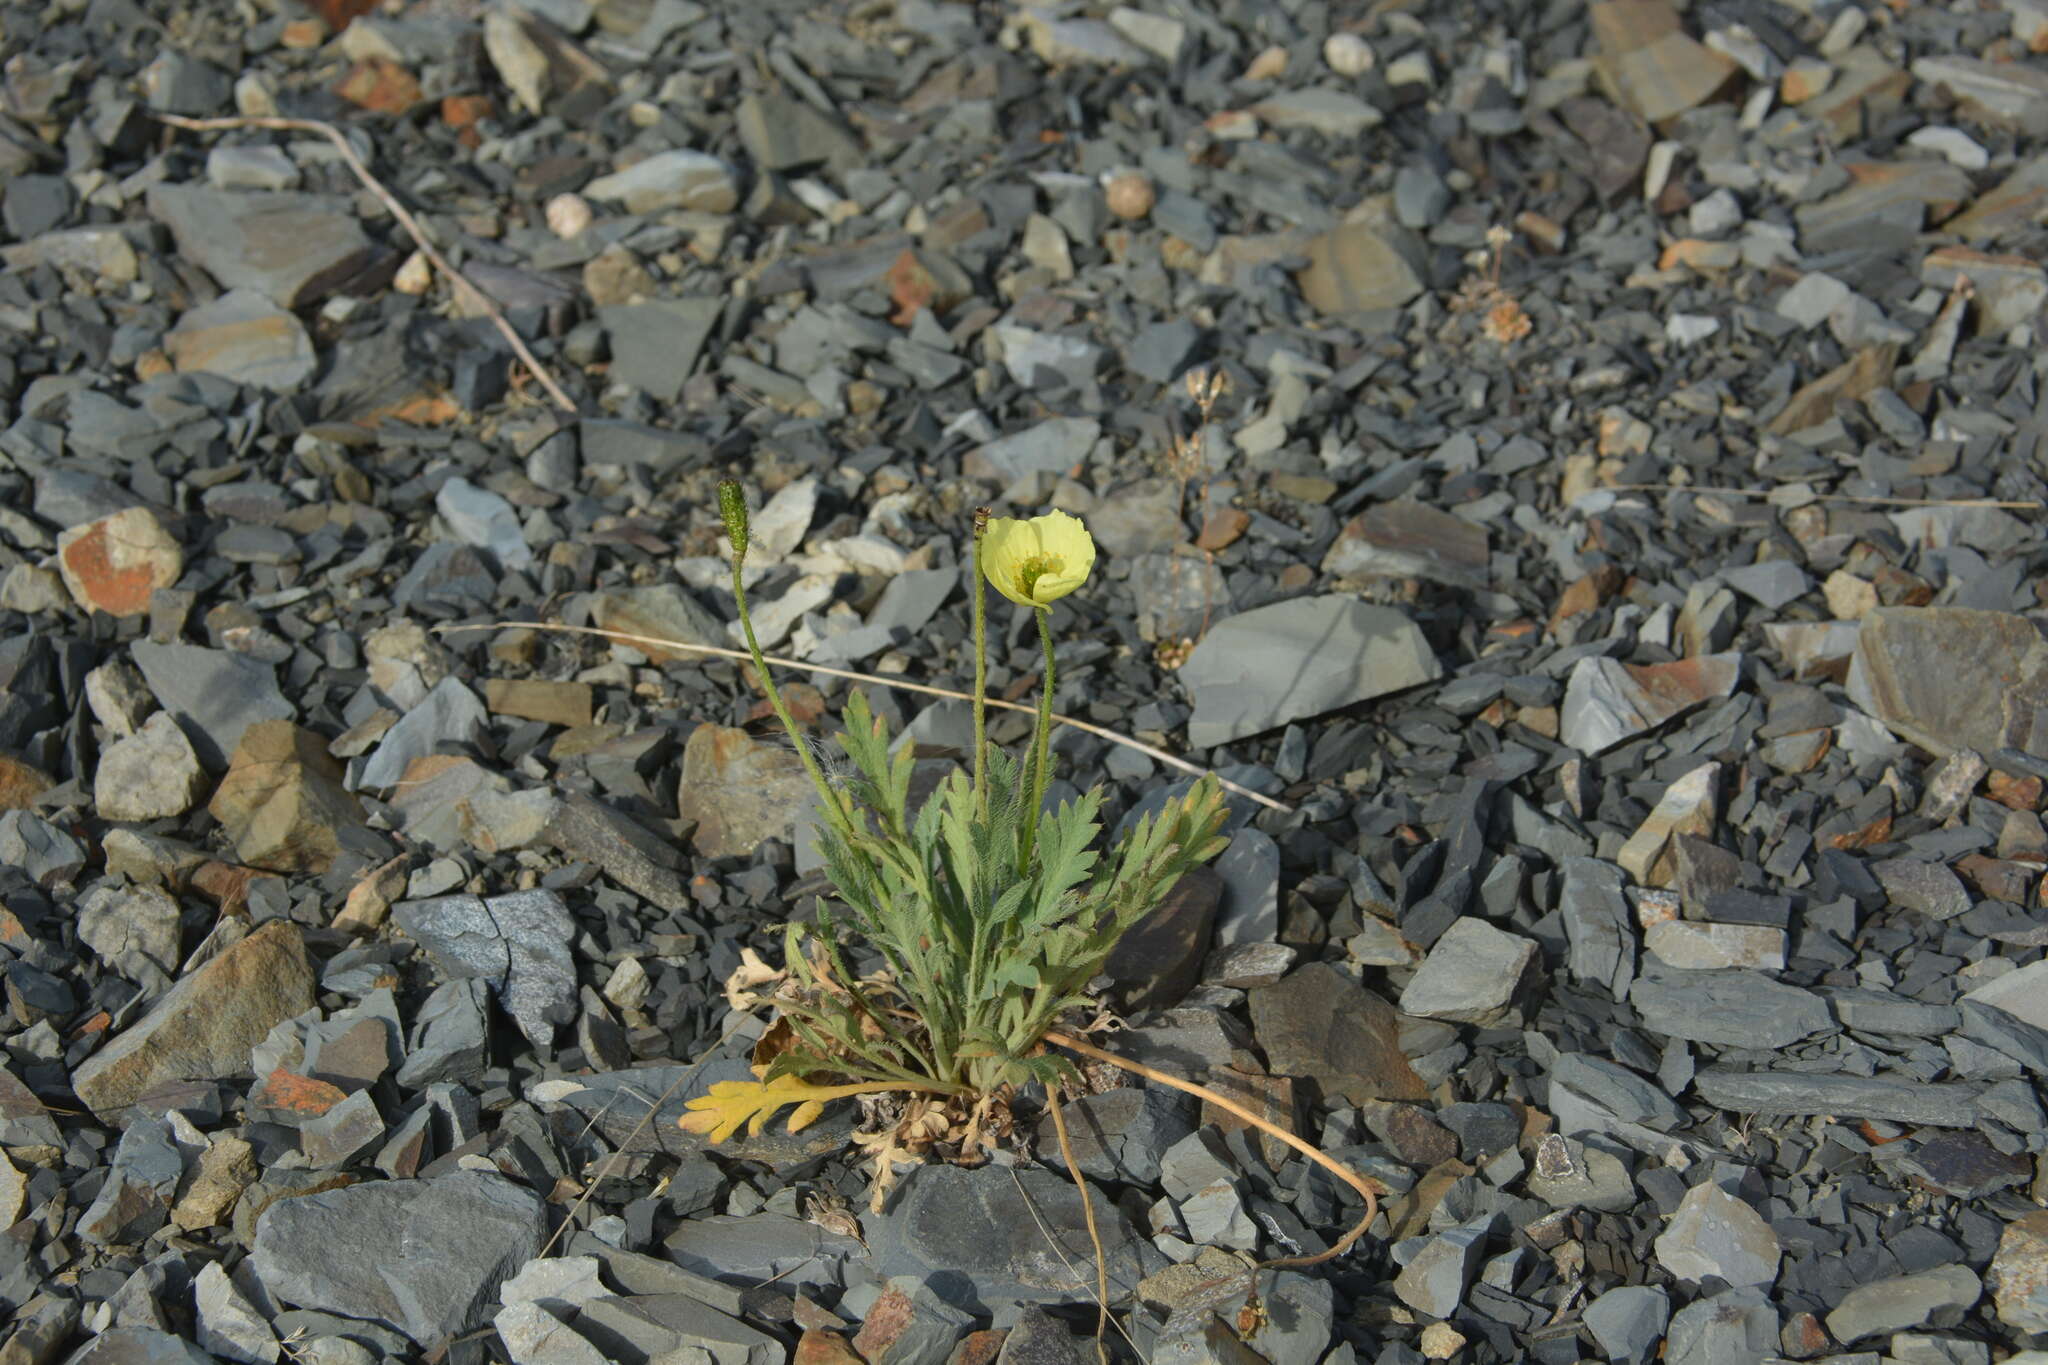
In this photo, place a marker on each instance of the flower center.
(1037, 567)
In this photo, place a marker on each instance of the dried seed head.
(732, 506)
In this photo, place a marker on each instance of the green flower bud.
(732, 505)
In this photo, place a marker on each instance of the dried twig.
(1157, 755)
(469, 294)
(2023, 505)
(1229, 1106)
(1059, 1128)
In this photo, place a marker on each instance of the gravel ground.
(1606, 563)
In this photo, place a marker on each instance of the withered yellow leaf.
(721, 1111)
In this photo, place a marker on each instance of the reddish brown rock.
(282, 802)
(740, 790)
(567, 704)
(205, 1027)
(115, 563)
(824, 1348)
(1320, 1024)
(21, 783)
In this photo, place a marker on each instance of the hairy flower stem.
(732, 508)
(980, 667)
(1041, 739)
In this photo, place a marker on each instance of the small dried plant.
(1505, 322)
(1186, 460)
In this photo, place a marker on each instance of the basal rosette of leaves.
(990, 918)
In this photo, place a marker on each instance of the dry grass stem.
(1229, 1106)
(1868, 500)
(467, 292)
(925, 689)
(1059, 1128)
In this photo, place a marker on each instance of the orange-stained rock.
(115, 563)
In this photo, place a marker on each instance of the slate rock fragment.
(1435, 1280)
(741, 791)
(1359, 267)
(1925, 888)
(291, 248)
(1321, 1023)
(1260, 669)
(677, 179)
(1475, 973)
(517, 943)
(1736, 1324)
(1715, 1234)
(205, 1027)
(1628, 1321)
(978, 1223)
(1802, 1094)
(1607, 701)
(1408, 539)
(332, 1250)
(1601, 950)
(244, 337)
(282, 803)
(1908, 659)
(655, 345)
(1733, 1008)
(449, 714)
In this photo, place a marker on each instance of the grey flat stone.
(1716, 1234)
(1435, 1280)
(1738, 1325)
(2022, 993)
(1628, 1321)
(1801, 1094)
(1730, 1008)
(1474, 974)
(484, 519)
(1409, 539)
(450, 714)
(672, 1327)
(1903, 1302)
(655, 345)
(1050, 447)
(291, 248)
(1601, 949)
(1259, 669)
(334, 1250)
(1014, 1236)
(1607, 701)
(1907, 661)
(678, 179)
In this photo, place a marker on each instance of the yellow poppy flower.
(1035, 563)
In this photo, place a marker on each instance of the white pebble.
(1687, 329)
(568, 215)
(1953, 143)
(416, 276)
(1347, 54)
